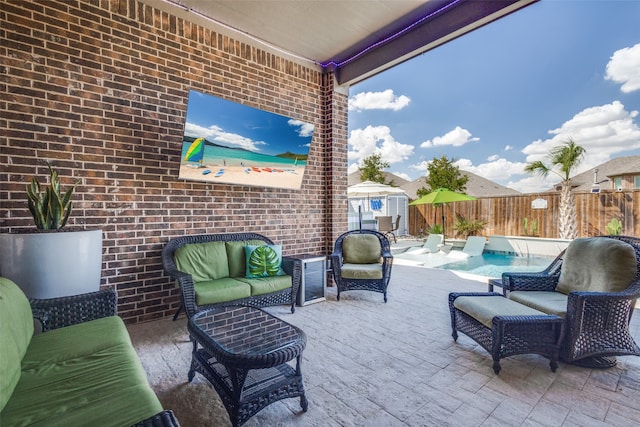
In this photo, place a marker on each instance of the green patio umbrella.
(440, 197)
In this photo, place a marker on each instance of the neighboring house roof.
(629, 165)
(477, 186)
(354, 178)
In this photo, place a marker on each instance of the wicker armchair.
(596, 324)
(362, 260)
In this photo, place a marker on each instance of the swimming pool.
(494, 264)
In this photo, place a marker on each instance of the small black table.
(244, 353)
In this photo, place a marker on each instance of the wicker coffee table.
(243, 352)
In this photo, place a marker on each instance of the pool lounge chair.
(473, 247)
(431, 245)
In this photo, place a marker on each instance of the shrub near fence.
(504, 215)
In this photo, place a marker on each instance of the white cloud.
(304, 129)
(508, 147)
(377, 140)
(624, 68)
(385, 100)
(493, 158)
(498, 169)
(603, 131)
(217, 134)
(455, 138)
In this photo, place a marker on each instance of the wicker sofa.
(211, 269)
(81, 370)
(593, 285)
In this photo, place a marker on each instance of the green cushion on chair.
(597, 264)
(93, 368)
(204, 261)
(221, 290)
(16, 330)
(265, 285)
(361, 249)
(485, 308)
(361, 271)
(236, 255)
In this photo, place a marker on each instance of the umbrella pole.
(443, 225)
(359, 217)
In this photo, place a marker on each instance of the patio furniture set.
(585, 300)
(577, 310)
(242, 350)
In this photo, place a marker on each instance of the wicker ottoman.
(504, 327)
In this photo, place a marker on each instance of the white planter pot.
(50, 265)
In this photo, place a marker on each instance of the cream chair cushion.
(597, 264)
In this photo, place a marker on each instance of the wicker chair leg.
(175, 316)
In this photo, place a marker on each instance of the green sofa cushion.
(361, 271)
(545, 301)
(221, 290)
(16, 330)
(86, 374)
(265, 285)
(236, 255)
(361, 249)
(597, 264)
(485, 308)
(204, 261)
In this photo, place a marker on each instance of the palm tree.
(564, 157)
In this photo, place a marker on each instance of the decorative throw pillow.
(263, 261)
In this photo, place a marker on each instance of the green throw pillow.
(263, 261)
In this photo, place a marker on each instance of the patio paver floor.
(368, 363)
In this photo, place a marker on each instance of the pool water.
(494, 264)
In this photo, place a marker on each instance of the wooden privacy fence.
(504, 215)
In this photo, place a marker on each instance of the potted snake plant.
(51, 260)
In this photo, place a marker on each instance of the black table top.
(247, 333)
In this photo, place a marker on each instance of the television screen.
(232, 143)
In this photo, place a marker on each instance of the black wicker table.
(504, 327)
(244, 353)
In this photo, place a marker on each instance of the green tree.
(563, 159)
(443, 173)
(372, 169)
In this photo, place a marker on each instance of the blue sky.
(505, 94)
(236, 125)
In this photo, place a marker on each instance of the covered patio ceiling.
(353, 38)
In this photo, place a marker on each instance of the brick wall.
(100, 90)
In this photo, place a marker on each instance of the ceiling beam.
(452, 21)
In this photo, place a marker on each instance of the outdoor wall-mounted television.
(232, 143)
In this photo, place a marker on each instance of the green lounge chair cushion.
(236, 255)
(221, 290)
(361, 249)
(204, 261)
(597, 264)
(86, 374)
(485, 308)
(546, 301)
(16, 330)
(265, 285)
(361, 271)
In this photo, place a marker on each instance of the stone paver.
(368, 363)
